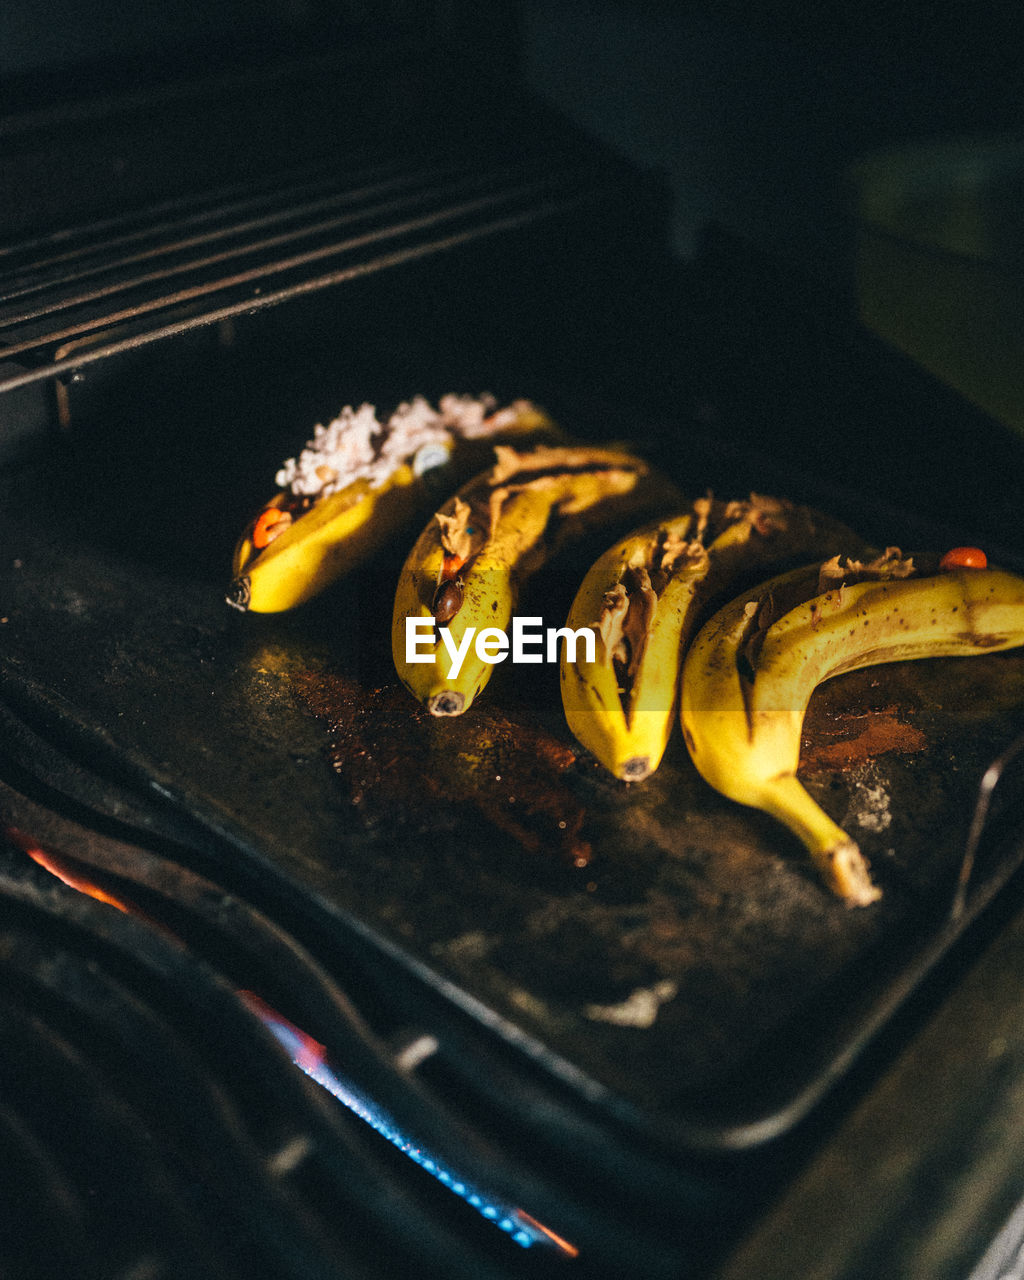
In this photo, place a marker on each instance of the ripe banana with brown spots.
(750, 673)
(361, 483)
(464, 575)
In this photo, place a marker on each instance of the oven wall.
(754, 110)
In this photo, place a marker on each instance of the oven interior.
(231, 842)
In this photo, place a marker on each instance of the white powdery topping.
(345, 447)
(468, 415)
(409, 428)
(357, 446)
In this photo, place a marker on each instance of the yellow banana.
(358, 484)
(747, 680)
(464, 574)
(643, 598)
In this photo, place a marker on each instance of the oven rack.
(162, 208)
(235, 253)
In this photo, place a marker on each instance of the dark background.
(752, 110)
(755, 110)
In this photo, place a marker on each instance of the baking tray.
(672, 956)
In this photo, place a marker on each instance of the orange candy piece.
(261, 534)
(964, 558)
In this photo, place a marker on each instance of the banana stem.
(837, 857)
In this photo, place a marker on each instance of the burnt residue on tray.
(399, 762)
(657, 933)
(845, 738)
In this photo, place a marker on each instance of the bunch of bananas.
(740, 688)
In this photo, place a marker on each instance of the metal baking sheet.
(677, 951)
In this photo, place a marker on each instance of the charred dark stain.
(398, 763)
